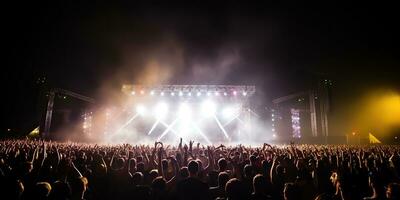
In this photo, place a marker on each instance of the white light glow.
(152, 93)
(161, 110)
(208, 108)
(185, 111)
(230, 112)
(198, 94)
(180, 94)
(140, 109)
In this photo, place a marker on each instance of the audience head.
(193, 168)
(248, 171)
(234, 189)
(183, 172)
(290, 191)
(79, 186)
(140, 167)
(137, 178)
(60, 190)
(222, 164)
(159, 184)
(42, 190)
(259, 184)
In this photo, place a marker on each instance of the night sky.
(83, 46)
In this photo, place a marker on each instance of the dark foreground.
(50, 170)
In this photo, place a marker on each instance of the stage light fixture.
(198, 94)
(216, 93)
(189, 94)
(244, 93)
(162, 93)
(133, 93)
(152, 93)
(225, 94)
(208, 93)
(234, 93)
(141, 92)
(180, 93)
(172, 94)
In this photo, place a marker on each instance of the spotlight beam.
(169, 127)
(201, 133)
(241, 121)
(172, 130)
(127, 123)
(221, 127)
(231, 120)
(153, 127)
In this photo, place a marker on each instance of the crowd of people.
(36, 169)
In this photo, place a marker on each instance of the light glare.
(161, 110)
(208, 108)
(140, 109)
(184, 111)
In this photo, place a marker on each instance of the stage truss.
(202, 108)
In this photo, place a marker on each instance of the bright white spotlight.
(162, 93)
(141, 92)
(133, 93)
(180, 93)
(198, 94)
(273, 135)
(161, 110)
(234, 93)
(208, 93)
(184, 111)
(172, 94)
(208, 108)
(229, 112)
(225, 94)
(244, 93)
(189, 94)
(140, 109)
(152, 93)
(216, 93)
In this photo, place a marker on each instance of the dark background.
(281, 48)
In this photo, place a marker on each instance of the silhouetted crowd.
(33, 169)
